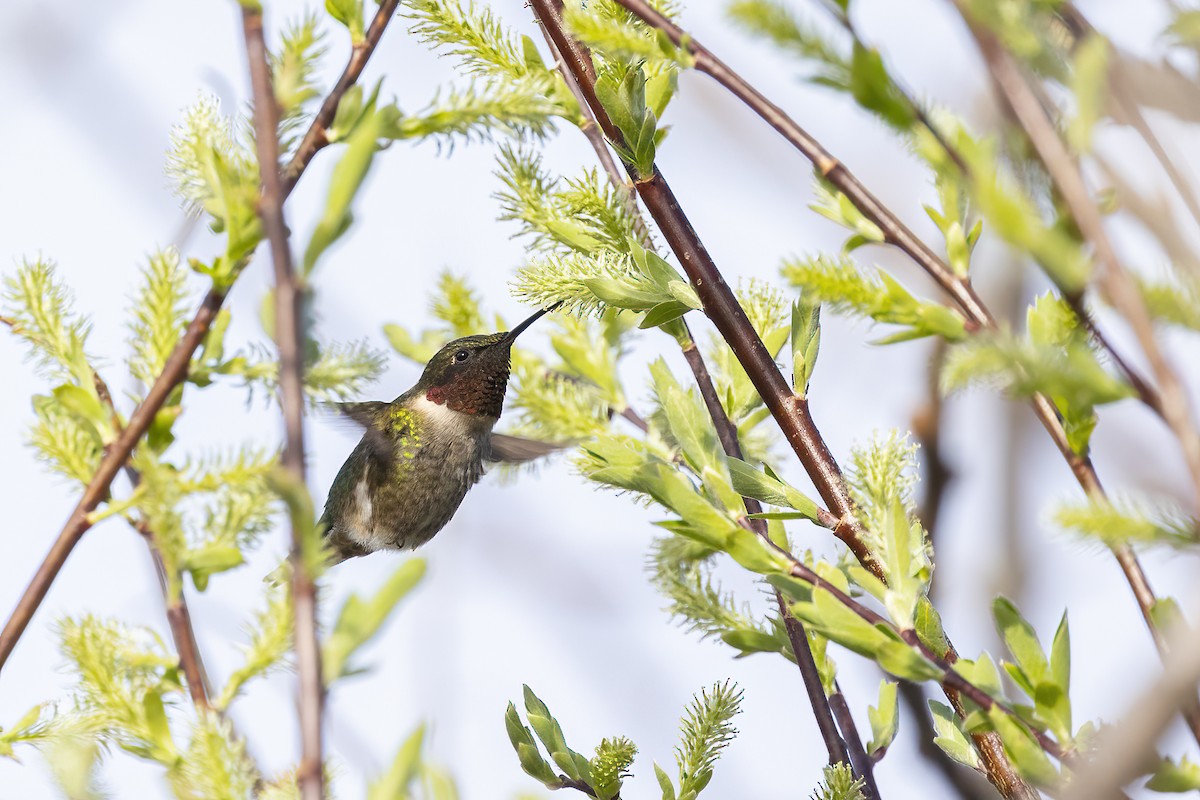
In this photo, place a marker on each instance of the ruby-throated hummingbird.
(421, 452)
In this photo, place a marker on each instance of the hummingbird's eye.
(462, 355)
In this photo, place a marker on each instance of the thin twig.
(1114, 277)
(179, 620)
(790, 411)
(726, 430)
(96, 492)
(898, 235)
(864, 765)
(316, 137)
(173, 373)
(927, 427)
(289, 335)
(1128, 107)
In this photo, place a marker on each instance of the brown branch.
(949, 679)
(1127, 106)
(315, 138)
(864, 765)
(726, 430)
(179, 620)
(1115, 280)
(96, 492)
(790, 411)
(720, 305)
(174, 372)
(927, 427)
(289, 335)
(898, 235)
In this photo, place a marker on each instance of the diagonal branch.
(316, 137)
(960, 290)
(790, 411)
(174, 373)
(1115, 279)
(289, 335)
(727, 434)
(96, 492)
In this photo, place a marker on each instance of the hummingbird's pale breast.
(420, 453)
(400, 502)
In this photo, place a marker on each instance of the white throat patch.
(446, 421)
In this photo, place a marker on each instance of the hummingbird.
(420, 453)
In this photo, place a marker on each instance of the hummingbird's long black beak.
(517, 331)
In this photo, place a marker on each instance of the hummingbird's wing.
(518, 450)
(367, 416)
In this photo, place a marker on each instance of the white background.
(540, 581)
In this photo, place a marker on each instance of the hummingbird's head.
(470, 374)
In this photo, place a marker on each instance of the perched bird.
(421, 452)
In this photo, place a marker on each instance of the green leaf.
(1024, 751)
(839, 624)
(159, 731)
(86, 406)
(360, 619)
(748, 549)
(548, 730)
(950, 736)
(350, 14)
(343, 186)
(874, 90)
(664, 783)
(806, 343)
(899, 658)
(1060, 656)
(527, 751)
(750, 482)
(884, 718)
(1172, 777)
(394, 784)
(981, 672)
(1022, 642)
(929, 627)
(663, 313)
(622, 93)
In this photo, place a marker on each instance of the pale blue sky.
(539, 581)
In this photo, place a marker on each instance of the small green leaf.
(395, 782)
(750, 482)
(1026, 754)
(1021, 640)
(350, 14)
(664, 783)
(550, 733)
(950, 736)
(884, 718)
(527, 751)
(360, 619)
(874, 90)
(806, 343)
(663, 313)
(347, 178)
(1172, 777)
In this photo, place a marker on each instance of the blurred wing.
(367, 417)
(518, 450)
